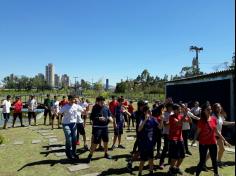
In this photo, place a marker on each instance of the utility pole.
(197, 50)
(75, 83)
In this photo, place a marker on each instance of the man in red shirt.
(112, 105)
(18, 105)
(176, 144)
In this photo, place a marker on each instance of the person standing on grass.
(118, 123)
(176, 144)
(148, 131)
(63, 102)
(196, 110)
(55, 110)
(112, 105)
(219, 114)
(80, 125)
(69, 120)
(157, 112)
(207, 131)
(85, 106)
(32, 106)
(167, 114)
(186, 127)
(125, 106)
(100, 116)
(131, 111)
(47, 109)
(6, 104)
(17, 106)
(138, 116)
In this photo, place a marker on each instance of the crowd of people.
(176, 123)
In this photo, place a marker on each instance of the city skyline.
(114, 40)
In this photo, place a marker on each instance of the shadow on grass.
(53, 162)
(46, 153)
(124, 170)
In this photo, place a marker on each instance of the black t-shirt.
(97, 112)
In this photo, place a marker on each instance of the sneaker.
(178, 171)
(188, 152)
(77, 143)
(161, 166)
(107, 156)
(204, 168)
(113, 147)
(129, 166)
(75, 157)
(220, 164)
(121, 147)
(89, 158)
(86, 147)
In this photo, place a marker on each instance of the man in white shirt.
(6, 104)
(85, 106)
(55, 110)
(80, 125)
(32, 106)
(69, 126)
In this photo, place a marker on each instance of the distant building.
(57, 80)
(49, 74)
(107, 84)
(65, 80)
(41, 76)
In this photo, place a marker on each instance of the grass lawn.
(35, 159)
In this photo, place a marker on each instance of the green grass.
(35, 159)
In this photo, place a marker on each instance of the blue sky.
(115, 39)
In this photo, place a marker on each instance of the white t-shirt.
(196, 111)
(55, 107)
(6, 106)
(79, 111)
(32, 105)
(69, 113)
(166, 119)
(219, 121)
(84, 105)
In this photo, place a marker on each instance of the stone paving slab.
(230, 149)
(130, 138)
(36, 141)
(18, 142)
(46, 134)
(92, 174)
(51, 140)
(78, 167)
(60, 154)
(2, 145)
(47, 137)
(55, 143)
(57, 148)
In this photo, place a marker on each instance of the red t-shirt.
(207, 133)
(175, 133)
(130, 109)
(18, 106)
(63, 102)
(112, 106)
(125, 103)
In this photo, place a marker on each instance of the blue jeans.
(70, 135)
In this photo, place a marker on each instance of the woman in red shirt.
(207, 131)
(17, 111)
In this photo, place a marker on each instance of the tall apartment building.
(49, 75)
(65, 80)
(57, 80)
